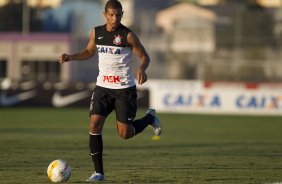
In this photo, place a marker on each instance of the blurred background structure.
(225, 40)
(198, 39)
(205, 40)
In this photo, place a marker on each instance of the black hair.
(114, 4)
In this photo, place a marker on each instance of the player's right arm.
(85, 54)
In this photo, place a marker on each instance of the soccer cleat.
(156, 125)
(96, 177)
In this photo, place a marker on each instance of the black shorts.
(104, 101)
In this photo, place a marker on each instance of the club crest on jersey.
(117, 39)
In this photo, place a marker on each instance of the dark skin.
(113, 20)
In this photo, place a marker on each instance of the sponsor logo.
(94, 153)
(111, 79)
(259, 102)
(61, 101)
(6, 100)
(100, 37)
(108, 50)
(9, 100)
(199, 100)
(117, 40)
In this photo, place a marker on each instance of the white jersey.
(115, 56)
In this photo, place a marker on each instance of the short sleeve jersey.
(115, 56)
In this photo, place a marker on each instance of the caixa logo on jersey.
(189, 100)
(109, 50)
(267, 102)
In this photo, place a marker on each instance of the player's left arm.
(141, 52)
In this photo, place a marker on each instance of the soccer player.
(115, 87)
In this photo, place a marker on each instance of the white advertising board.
(221, 98)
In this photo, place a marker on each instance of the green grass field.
(192, 149)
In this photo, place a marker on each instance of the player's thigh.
(126, 105)
(101, 102)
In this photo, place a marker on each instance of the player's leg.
(150, 119)
(96, 146)
(126, 108)
(96, 142)
(100, 107)
(128, 129)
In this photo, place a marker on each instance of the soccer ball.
(59, 171)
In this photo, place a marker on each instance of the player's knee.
(96, 124)
(95, 127)
(124, 134)
(124, 130)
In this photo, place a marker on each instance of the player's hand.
(64, 58)
(141, 76)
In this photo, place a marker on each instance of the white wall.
(183, 96)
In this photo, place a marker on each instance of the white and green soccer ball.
(59, 171)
